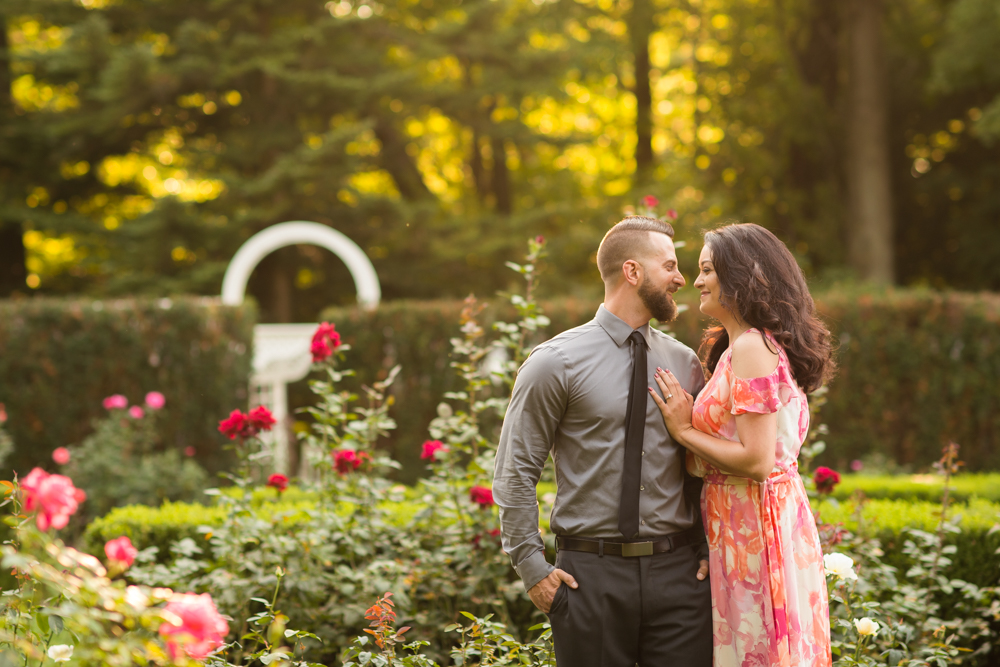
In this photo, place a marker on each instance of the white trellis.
(281, 351)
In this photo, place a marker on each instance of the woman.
(743, 434)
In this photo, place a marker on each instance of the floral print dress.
(769, 598)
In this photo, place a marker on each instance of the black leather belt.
(662, 545)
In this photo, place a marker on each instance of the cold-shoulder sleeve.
(757, 395)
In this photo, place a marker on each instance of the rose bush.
(126, 461)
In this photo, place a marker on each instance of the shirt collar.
(617, 328)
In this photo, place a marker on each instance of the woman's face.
(708, 284)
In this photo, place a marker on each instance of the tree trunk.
(869, 182)
(12, 257)
(395, 160)
(501, 178)
(478, 170)
(640, 27)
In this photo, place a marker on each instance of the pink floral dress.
(769, 599)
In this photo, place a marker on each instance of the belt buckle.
(633, 549)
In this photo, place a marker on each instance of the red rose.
(324, 342)
(247, 425)
(478, 538)
(540, 240)
(121, 551)
(348, 460)
(61, 456)
(482, 496)
(261, 419)
(672, 214)
(236, 424)
(825, 479)
(278, 481)
(431, 447)
(650, 201)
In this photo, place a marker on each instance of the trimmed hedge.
(976, 560)
(917, 368)
(920, 487)
(61, 357)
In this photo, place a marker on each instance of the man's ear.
(632, 271)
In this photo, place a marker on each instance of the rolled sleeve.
(537, 405)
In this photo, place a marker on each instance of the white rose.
(60, 652)
(135, 597)
(839, 565)
(866, 627)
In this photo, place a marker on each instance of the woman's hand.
(675, 406)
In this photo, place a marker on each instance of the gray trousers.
(649, 611)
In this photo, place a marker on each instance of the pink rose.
(155, 400)
(261, 419)
(278, 481)
(540, 240)
(53, 496)
(61, 456)
(121, 551)
(482, 496)
(857, 465)
(3, 413)
(672, 214)
(324, 342)
(194, 625)
(431, 447)
(135, 412)
(650, 201)
(115, 402)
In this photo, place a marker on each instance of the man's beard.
(659, 303)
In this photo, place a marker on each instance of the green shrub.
(886, 519)
(124, 462)
(919, 487)
(61, 357)
(976, 559)
(917, 368)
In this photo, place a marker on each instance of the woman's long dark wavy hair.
(761, 282)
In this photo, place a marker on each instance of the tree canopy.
(144, 140)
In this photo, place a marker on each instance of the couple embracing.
(650, 458)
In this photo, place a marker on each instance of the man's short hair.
(627, 240)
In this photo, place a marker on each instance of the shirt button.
(643, 454)
(642, 488)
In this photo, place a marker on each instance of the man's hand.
(702, 570)
(544, 591)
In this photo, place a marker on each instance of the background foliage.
(144, 140)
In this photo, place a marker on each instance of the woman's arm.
(753, 455)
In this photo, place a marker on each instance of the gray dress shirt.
(570, 397)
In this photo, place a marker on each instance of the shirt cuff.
(533, 569)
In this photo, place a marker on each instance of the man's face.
(661, 277)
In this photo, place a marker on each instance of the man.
(630, 582)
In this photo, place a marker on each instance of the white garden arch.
(281, 351)
(263, 243)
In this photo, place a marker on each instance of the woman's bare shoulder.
(753, 357)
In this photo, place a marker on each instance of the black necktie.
(635, 426)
